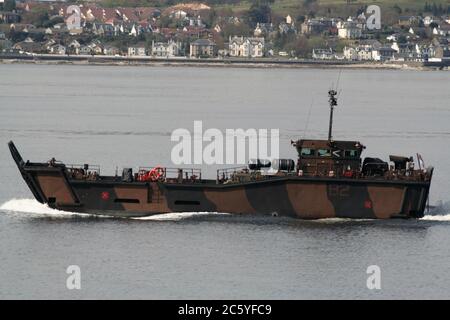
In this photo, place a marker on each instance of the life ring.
(155, 174)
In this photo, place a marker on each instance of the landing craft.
(329, 179)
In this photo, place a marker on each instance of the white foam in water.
(34, 207)
(175, 216)
(437, 218)
(439, 213)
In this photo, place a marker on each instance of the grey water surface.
(117, 116)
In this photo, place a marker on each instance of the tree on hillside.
(233, 30)
(38, 17)
(397, 9)
(259, 12)
(9, 5)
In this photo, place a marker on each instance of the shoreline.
(218, 63)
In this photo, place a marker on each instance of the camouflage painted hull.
(302, 197)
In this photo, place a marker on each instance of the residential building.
(285, 28)
(178, 14)
(250, 47)
(203, 48)
(349, 30)
(57, 49)
(364, 51)
(407, 52)
(110, 50)
(318, 26)
(31, 47)
(73, 46)
(428, 20)
(166, 49)
(408, 21)
(96, 47)
(324, 54)
(137, 50)
(383, 54)
(103, 29)
(9, 17)
(5, 43)
(84, 50)
(289, 19)
(263, 29)
(440, 48)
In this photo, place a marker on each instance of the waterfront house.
(350, 53)
(31, 47)
(57, 49)
(49, 43)
(323, 54)
(249, 47)
(73, 46)
(166, 50)
(137, 50)
(110, 50)
(84, 50)
(406, 52)
(96, 47)
(363, 51)
(440, 48)
(383, 54)
(203, 48)
(5, 43)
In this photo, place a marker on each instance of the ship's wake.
(33, 207)
(440, 212)
(37, 209)
(175, 216)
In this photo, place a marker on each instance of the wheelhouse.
(320, 157)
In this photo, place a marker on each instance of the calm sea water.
(123, 116)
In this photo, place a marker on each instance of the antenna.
(308, 117)
(333, 103)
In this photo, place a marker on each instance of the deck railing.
(83, 171)
(177, 174)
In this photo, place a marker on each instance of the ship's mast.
(333, 103)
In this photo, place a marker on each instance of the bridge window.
(307, 152)
(324, 152)
(351, 153)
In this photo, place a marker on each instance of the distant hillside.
(295, 7)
